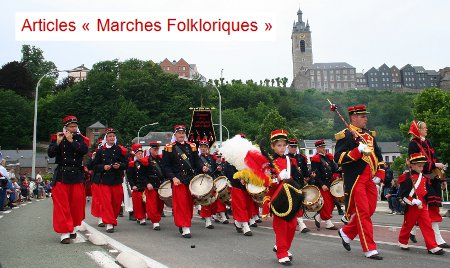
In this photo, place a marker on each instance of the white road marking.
(103, 259)
(1, 216)
(113, 251)
(30, 202)
(6, 212)
(15, 207)
(122, 248)
(23, 205)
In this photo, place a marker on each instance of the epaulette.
(168, 147)
(402, 178)
(373, 133)
(131, 164)
(53, 138)
(123, 150)
(193, 146)
(85, 140)
(330, 156)
(315, 158)
(340, 135)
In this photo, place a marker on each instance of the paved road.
(30, 229)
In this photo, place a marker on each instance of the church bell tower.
(302, 56)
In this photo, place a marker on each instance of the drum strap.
(184, 157)
(413, 189)
(157, 167)
(288, 166)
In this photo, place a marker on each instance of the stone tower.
(302, 56)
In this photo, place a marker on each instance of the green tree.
(16, 77)
(272, 121)
(16, 117)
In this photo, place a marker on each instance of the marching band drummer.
(302, 164)
(96, 209)
(137, 174)
(419, 144)
(154, 205)
(324, 168)
(180, 163)
(360, 158)
(413, 192)
(217, 206)
(283, 225)
(68, 192)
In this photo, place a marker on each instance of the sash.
(415, 185)
(184, 157)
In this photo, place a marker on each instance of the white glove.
(362, 147)
(416, 202)
(376, 180)
(284, 175)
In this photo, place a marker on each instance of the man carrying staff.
(180, 163)
(360, 158)
(68, 192)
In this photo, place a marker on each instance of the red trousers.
(328, 205)
(412, 215)
(138, 205)
(154, 205)
(435, 216)
(69, 202)
(284, 234)
(96, 207)
(255, 209)
(241, 204)
(182, 205)
(363, 202)
(111, 201)
(209, 210)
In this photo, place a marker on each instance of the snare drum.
(222, 188)
(337, 190)
(313, 201)
(165, 193)
(257, 192)
(202, 189)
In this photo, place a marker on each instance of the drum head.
(165, 190)
(221, 183)
(254, 189)
(337, 189)
(312, 194)
(201, 185)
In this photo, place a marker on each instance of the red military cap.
(204, 142)
(70, 119)
(242, 135)
(154, 144)
(279, 134)
(136, 148)
(359, 109)
(319, 143)
(110, 130)
(417, 158)
(293, 142)
(180, 127)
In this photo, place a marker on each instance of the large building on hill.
(181, 68)
(329, 76)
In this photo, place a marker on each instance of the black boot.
(121, 212)
(131, 216)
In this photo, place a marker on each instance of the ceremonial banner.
(202, 126)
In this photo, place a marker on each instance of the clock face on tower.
(302, 35)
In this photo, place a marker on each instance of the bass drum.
(257, 193)
(202, 189)
(313, 201)
(223, 189)
(165, 193)
(337, 190)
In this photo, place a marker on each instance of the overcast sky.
(362, 33)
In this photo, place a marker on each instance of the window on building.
(302, 46)
(311, 152)
(332, 86)
(352, 71)
(184, 68)
(386, 158)
(344, 71)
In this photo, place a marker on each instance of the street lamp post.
(151, 124)
(33, 160)
(228, 132)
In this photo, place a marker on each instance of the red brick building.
(180, 68)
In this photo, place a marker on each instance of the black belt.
(71, 169)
